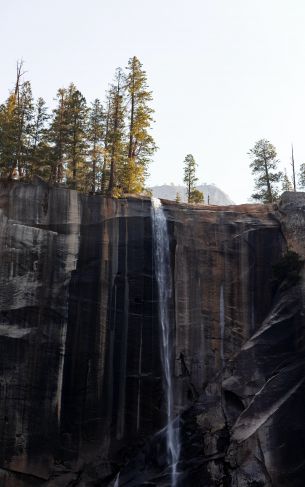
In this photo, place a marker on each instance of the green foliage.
(132, 177)
(91, 148)
(58, 137)
(264, 167)
(16, 116)
(76, 139)
(24, 113)
(190, 178)
(286, 183)
(8, 136)
(96, 149)
(67, 137)
(147, 192)
(39, 154)
(302, 176)
(288, 268)
(140, 143)
(196, 196)
(115, 134)
(178, 198)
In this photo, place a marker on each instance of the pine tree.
(286, 183)
(115, 133)
(302, 176)
(196, 196)
(76, 141)
(57, 137)
(106, 159)
(8, 136)
(15, 128)
(190, 179)
(96, 134)
(39, 148)
(294, 186)
(140, 145)
(24, 114)
(264, 167)
(85, 149)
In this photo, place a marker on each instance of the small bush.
(288, 268)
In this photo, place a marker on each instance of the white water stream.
(164, 282)
(117, 480)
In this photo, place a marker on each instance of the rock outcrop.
(211, 193)
(81, 393)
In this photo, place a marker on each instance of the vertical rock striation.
(81, 393)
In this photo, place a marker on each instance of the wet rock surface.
(81, 395)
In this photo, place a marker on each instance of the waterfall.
(117, 480)
(164, 283)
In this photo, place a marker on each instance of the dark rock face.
(81, 395)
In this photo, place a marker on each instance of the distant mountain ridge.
(211, 192)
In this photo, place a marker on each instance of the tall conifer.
(96, 135)
(190, 179)
(25, 112)
(57, 137)
(302, 176)
(264, 167)
(140, 143)
(39, 149)
(115, 133)
(76, 138)
(8, 136)
(86, 149)
(287, 185)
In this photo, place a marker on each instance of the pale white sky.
(224, 73)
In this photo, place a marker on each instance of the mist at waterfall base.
(165, 287)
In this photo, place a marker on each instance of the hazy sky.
(224, 73)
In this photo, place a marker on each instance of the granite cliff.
(211, 193)
(81, 393)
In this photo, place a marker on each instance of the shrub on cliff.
(287, 269)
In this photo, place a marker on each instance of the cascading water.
(164, 281)
(117, 480)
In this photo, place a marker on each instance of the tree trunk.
(269, 191)
(113, 149)
(103, 181)
(131, 125)
(93, 186)
(293, 169)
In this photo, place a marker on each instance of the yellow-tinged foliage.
(93, 149)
